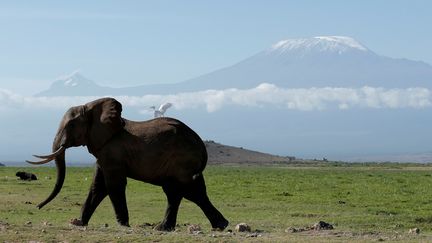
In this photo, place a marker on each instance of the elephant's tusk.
(40, 162)
(49, 156)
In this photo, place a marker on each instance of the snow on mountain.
(74, 79)
(338, 44)
(74, 84)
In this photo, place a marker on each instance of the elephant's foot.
(77, 222)
(164, 227)
(221, 225)
(124, 224)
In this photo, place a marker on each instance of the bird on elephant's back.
(161, 151)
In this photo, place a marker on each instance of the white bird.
(162, 109)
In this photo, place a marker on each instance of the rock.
(414, 231)
(46, 223)
(26, 176)
(253, 235)
(294, 230)
(3, 226)
(76, 222)
(243, 227)
(29, 223)
(194, 229)
(146, 225)
(321, 225)
(291, 230)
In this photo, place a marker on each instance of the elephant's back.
(171, 146)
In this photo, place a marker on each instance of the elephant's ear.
(106, 122)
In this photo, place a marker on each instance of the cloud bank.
(264, 95)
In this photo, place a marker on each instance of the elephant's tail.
(203, 164)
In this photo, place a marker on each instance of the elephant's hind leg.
(174, 196)
(96, 194)
(197, 193)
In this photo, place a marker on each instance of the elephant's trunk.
(61, 170)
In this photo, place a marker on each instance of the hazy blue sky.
(123, 43)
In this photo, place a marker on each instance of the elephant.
(162, 151)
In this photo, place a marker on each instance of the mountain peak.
(71, 84)
(333, 44)
(73, 79)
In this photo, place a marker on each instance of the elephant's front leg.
(96, 194)
(115, 182)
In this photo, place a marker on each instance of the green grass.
(363, 202)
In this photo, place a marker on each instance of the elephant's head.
(91, 125)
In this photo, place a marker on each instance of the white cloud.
(261, 96)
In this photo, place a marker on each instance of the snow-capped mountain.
(325, 61)
(74, 84)
(319, 62)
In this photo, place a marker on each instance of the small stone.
(253, 235)
(193, 228)
(46, 223)
(28, 223)
(291, 230)
(43, 231)
(229, 233)
(321, 225)
(147, 225)
(414, 231)
(243, 227)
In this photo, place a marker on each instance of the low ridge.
(225, 154)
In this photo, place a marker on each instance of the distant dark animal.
(162, 151)
(26, 176)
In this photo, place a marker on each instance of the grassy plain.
(364, 202)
